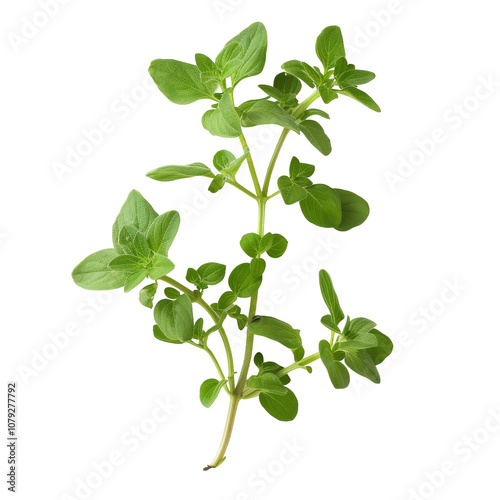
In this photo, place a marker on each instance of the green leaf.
(171, 293)
(223, 159)
(134, 279)
(250, 244)
(180, 82)
(175, 172)
(265, 243)
(314, 73)
(257, 267)
(212, 273)
(355, 210)
(278, 246)
(330, 46)
(312, 112)
(327, 95)
(272, 367)
(290, 190)
(147, 295)
(226, 300)
(340, 67)
(355, 77)
(93, 272)
(175, 318)
(272, 92)
(126, 263)
(198, 329)
(141, 246)
(268, 383)
(298, 353)
(287, 85)
(217, 184)
(382, 350)
(230, 59)
(258, 359)
(160, 265)
(162, 232)
(276, 330)
(254, 43)
(298, 169)
(361, 363)
(282, 407)
(361, 97)
(328, 321)
(358, 326)
(209, 70)
(337, 372)
(330, 297)
(242, 282)
(209, 391)
(322, 206)
(316, 136)
(136, 212)
(296, 68)
(264, 112)
(161, 336)
(223, 121)
(126, 239)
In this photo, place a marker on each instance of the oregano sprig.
(141, 238)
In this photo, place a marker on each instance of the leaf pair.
(184, 83)
(246, 278)
(208, 274)
(359, 344)
(284, 89)
(336, 71)
(174, 319)
(255, 245)
(141, 240)
(322, 205)
(279, 401)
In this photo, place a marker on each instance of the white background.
(424, 265)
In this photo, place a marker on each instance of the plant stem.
(251, 166)
(226, 435)
(261, 197)
(290, 368)
(214, 359)
(215, 319)
(274, 158)
(297, 112)
(237, 185)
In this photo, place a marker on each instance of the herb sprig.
(142, 238)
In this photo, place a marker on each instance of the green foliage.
(176, 172)
(275, 329)
(175, 318)
(264, 112)
(282, 407)
(180, 82)
(142, 238)
(208, 274)
(209, 391)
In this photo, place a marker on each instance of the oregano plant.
(142, 238)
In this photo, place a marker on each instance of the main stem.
(261, 198)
